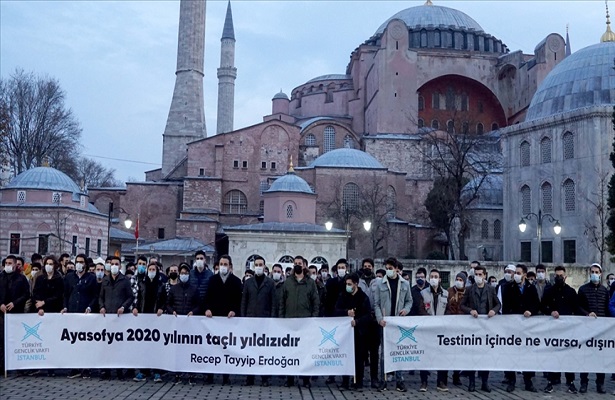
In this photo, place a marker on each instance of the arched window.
(497, 229)
(524, 154)
(391, 202)
(569, 195)
(329, 137)
(286, 259)
(526, 200)
(464, 102)
(568, 141)
(546, 193)
(437, 39)
(250, 260)
(235, 202)
(435, 124)
(421, 123)
(423, 38)
(350, 197)
(421, 103)
(450, 127)
(319, 260)
(310, 140)
(480, 128)
(348, 142)
(495, 126)
(465, 128)
(289, 211)
(435, 100)
(450, 99)
(545, 150)
(484, 229)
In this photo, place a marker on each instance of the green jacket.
(299, 299)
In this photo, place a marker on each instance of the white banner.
(255, 346)
(501, 343)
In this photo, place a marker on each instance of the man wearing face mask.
(594, 302)
(470, 279)
(277, 275)
(434, 301)
(521, 298)
(99, 273)
(115, 298)
(480, 299)
(200, 275)
(299, 299)
(257, 301)
(509, 272)
(173, 274)
(453, 307)
(372, 332)
(610, 285)
(421, 283)
(223, 299)
(560, 299)
(542, 284)
(334, 287)
(392, 298)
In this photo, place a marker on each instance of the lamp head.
(329, 225)
(522, 225)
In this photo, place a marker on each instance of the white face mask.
(341, 273)
(184, 278)
(79, 267)
(391, 273)
(540, 276)
(151, 274)
(8, 269)
(259, 270)
(223, 270)
(115, 269)
(518, 278)
(611, 281)
(100, 274)
(378, 280)
(276, 276)
(49, 268)
(324, 274)
(595, 278)
(200, 264)
(479, 280)
(33, 273)
(508, 276)
(107, 267)
(459, 284)
(434, 282)
(471, 272)
(313, 276)
(494, 284)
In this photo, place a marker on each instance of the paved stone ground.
(62, 388)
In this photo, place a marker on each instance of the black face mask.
(559, 280)
(298, 269)
(367, 272)
(173, 275)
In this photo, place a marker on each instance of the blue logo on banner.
(31, 331)
(328, 336)
(407, 334)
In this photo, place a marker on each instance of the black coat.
(258, 300)
(14, 288)
(515, 302)
(143, 288)
(594, 299)
(223, 297)
(333, 288)
(80, 292)
(417, 299)
(562, 299)
(359, 302)
(182, 299)
(51, 291)
(115, 293)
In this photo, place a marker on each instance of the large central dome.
(433, 15)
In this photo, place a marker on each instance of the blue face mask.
(420, 282)
(141, 269)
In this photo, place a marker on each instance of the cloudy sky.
(116, 59)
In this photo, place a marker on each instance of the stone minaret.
(226, 75)
(186, 121)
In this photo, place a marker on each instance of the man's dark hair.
(142, 258)
(391, 261)
(381, 271)
(421, 270)
(85, 258)
(436, 271)
(523, 267)
(475, 262)
(531, 274)
(353, 277)
(341, 261)
(201, 253)
(20, 259)
(313, 267)
(36, 257)
(481, 268)
(115, 258)
(227, 257)
(260, 258)
(541, 267)
(367, 260)
(560, 268)
(64, 255)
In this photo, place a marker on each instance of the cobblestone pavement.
(60, 387)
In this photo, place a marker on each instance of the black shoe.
(583, 388)
(345, 386)
(400, 387)
(549, 388)
(531, 388)
(357, 387)
(120, 377)
(330, 380)
(249, 381)
(226, 381)
(191, 381)
(457, 382)
(209, 379)
(289, 383)
(485, 388)
(104, 376)
(383, 386)
(510, 387)
(472, 387)
(306, 383)
(600, 389)
(572, 389)
(265, 383)
(375, 384)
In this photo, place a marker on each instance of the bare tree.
(91, 173)
(39, 127)
(596, 229)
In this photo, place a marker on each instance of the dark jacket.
(80, 292)
(455, 296)
(258, 300)
(14, 288)
(612, 306)
(224, 297)
(594, 299)
(276, 298)
(333, 288)
(148, 295)
(515, 302)
(471, 300)
(183, 298)
(415, 291)
(115, 293)
(51, 291)
(562, 299)
(200, 281)
(359, 302)
(299, 299)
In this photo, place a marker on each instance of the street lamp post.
(557, 227)
(127, 224)
(367, 225)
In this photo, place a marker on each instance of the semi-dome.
(329, 77)
(44, 178)
(427, 14)
(280, 95)
(489, 191)
(290, 183)
(583, 79)
(346, 158)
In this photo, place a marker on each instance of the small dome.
(583, 79)
(290, 183)
(346, 158)
(280, 95)
(490, 191)
(426, 15)
(44, 178)
(330, 77)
